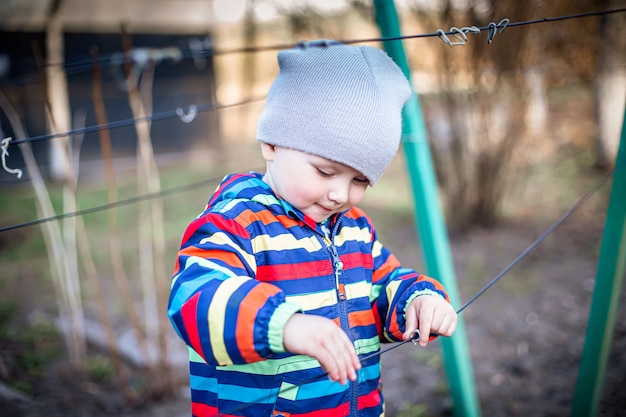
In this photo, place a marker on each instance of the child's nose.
(339, 193)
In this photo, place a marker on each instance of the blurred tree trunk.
(610, 83)
(151, 222)
(482, 108)
(249, 68)
(58, 117)
(59, 112)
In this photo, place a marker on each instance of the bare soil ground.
(525, 334)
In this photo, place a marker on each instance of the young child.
(282, 279)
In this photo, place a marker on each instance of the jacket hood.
(249, 187)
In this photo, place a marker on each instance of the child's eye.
(324, 173)
(361, 180)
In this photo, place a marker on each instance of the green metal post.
(605, 300)
(430, 223)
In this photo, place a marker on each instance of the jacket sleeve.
(216, 306)
(394, 287)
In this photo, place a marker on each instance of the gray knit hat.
(343, 103)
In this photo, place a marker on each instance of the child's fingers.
(444, 320)
(411, 324)
(348, 357)
(448, 325)
(425, 326)
(335, 352)
(321, 339)
(339, 359)
(430, 314)
(330, 365)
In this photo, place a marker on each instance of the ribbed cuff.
(417, 294)
(277, 325)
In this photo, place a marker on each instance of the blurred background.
(124, 115)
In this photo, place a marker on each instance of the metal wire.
(213, 52)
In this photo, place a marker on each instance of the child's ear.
(268, 151)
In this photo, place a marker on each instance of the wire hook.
(123, 81)
(459, 34)
(493, 28)
(472, 29)
(443, 37)
(447, 40)
(5, 152)
(189, 116)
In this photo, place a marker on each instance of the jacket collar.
(250, 186)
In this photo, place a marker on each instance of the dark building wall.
(191, 80)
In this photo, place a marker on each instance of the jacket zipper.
(343, 312)
(338, 268)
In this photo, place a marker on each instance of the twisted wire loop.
(461, 34)
(4, 146)
(492, 28)
(189, 116)
(447, 41)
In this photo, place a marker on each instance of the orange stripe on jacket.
(230, 258)
(435, 283)
(266, 217)
(385, 269)
(246, 320)
(360, 318)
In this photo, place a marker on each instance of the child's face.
(314, 185)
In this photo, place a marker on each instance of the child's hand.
(320, 338)
(429, 314)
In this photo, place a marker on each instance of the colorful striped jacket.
(246, 265)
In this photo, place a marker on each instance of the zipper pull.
(340, 287)
(338, 266)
